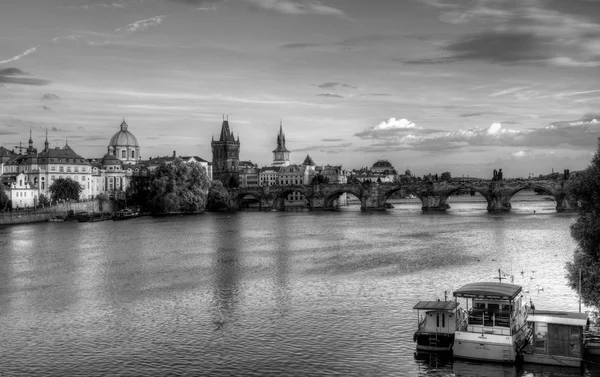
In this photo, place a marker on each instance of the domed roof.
(123, 137)
(109, 159)
(382, 164)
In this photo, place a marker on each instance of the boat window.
(443, 319)
(479, 305)
(493, 308)
(438, 320)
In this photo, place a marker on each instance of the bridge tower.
(226, 156)
(281, 155)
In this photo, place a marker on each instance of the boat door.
(442, 322)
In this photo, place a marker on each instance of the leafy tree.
(585, 195)
(44, 201)
(4, 199)
(218, 197)
(446, 176)
(65, 189)
(178, 187)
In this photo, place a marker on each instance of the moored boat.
(557, 338)
(496, 327)
(591, 337)
(56, 219)
(125, 214)
(437, 325)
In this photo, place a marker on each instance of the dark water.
(279, 293)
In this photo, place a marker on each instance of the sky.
(464, 86)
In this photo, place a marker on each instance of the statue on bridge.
(566, 174)
(497, 175)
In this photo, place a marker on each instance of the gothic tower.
(226, 156)
(281, 155)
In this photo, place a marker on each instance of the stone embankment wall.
(43, 214)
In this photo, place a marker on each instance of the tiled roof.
(308, 161)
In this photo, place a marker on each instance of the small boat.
(56, 219)
(437, 325)
(388, 205)
(496, 327)
(125, 214)
(557, 338)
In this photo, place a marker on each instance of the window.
(132, 154)
(123, 154)
(52, 168)
(61, 169)
(68, 169)
(76, 169)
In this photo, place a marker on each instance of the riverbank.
(43, 214)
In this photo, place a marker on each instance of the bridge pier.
(562, 204)
(433, 203)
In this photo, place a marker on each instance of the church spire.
(46, 142)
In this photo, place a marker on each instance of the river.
(290, 293)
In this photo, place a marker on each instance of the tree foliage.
(4, 199)
(178, 187)
(218, 197)
(44, 201)
(446, 176)
(585, 195)
(65, 189)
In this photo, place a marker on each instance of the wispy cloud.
(15, 76)
(141, 25)
(327, 148)
(509, 90)
(92, 6)
(297, 7)
(467, 115)
(330, 95)
(333, 85)
(17, 57)
(300, 45)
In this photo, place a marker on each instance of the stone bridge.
(433, 194)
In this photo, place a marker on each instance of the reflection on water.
(251, 293)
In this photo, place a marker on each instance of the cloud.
(299, 45)
(330, 95)
(297, 7)
(376, 95)
(141, 25)
(46, 108)
(17, 57)
(467, 115)
(390, 128)
(331, 140)
(510, 90)
(575, 134)
(327, 149)
(50, 97)
(333, 85)
(14, 76)
(92, 6)
(520, 32)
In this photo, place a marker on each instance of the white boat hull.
(485, 347)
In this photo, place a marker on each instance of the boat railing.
(462, 317)
(489, 319)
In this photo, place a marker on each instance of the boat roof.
(557, 317)
(489, 290)
(436, 305)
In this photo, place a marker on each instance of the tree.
(65, 189)
(178, 187)
(4, 199)
(218, 197)
(446, 176)
(585, 196)
(44, 201)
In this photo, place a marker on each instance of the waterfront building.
(281, 155)
(21, 192)
(268, 176)
(42, 169)
(249, 174)
(5, 156)
(383, 167)
(334, 174)
(226, 156)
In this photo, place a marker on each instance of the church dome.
(123, 137)
(109, 159)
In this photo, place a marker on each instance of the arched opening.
(295, 200)
(402, 198)
(346, 200)
(466, 199)
(533, 199)
(248, 201)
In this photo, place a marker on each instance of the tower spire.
(46, 142)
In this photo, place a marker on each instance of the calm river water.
(291, 293)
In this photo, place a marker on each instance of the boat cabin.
(436, 327)
(496, 308)
(557, 338)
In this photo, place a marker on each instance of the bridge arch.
(286, 191)
(335, 194)
(236, 199)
